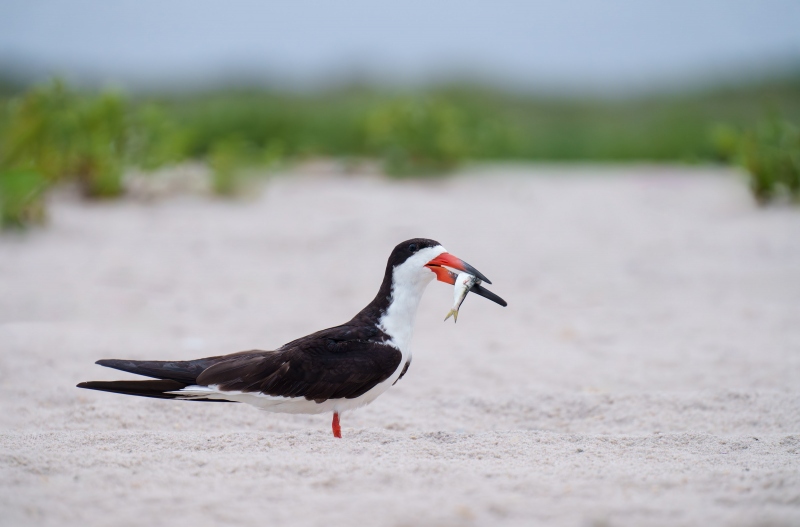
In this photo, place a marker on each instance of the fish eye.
(412, 248)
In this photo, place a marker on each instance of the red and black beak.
(440, 264)
(448, 260)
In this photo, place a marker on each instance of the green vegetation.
(89, 138)
(454, 124)
(21, 198)
(61, 134)
(225, 159)
(771, 154)
(413, 137)
(50, 134)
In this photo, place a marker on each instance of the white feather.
(409, 281)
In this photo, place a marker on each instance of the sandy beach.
(646, 370)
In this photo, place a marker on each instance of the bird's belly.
(301, 405)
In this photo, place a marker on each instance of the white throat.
(409, 281)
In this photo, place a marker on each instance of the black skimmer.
(333, 370)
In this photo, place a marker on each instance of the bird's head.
(417, 261)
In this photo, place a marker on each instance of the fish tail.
(453, 313)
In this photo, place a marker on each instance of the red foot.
(337, 430)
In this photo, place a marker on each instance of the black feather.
(156, 389)
(181, 371)
(316, 367)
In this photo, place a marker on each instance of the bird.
(334, 370)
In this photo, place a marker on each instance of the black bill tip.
(485, 293)
(474, 272)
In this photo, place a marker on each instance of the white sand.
(646, 371)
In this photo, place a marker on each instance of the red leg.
(337, 430)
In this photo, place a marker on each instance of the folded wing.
(318, 370)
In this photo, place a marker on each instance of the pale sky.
(578, 44)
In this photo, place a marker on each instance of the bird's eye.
(412, 248)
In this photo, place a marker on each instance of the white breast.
(409, 281)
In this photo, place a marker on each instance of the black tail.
(141, 388)
(185, 371)
(172, 376)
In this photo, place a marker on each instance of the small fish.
(463, 283)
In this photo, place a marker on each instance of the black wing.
(315, 367)
(160, 389)
(182, 371)
(340, 362)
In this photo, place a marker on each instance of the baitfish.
(463, 283)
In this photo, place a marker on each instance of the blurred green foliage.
(440, 127)
(62, 134)
(90, 138)
(225, 159)
(417, 137)
(155, 139)
(21, 198)
(771, 155)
